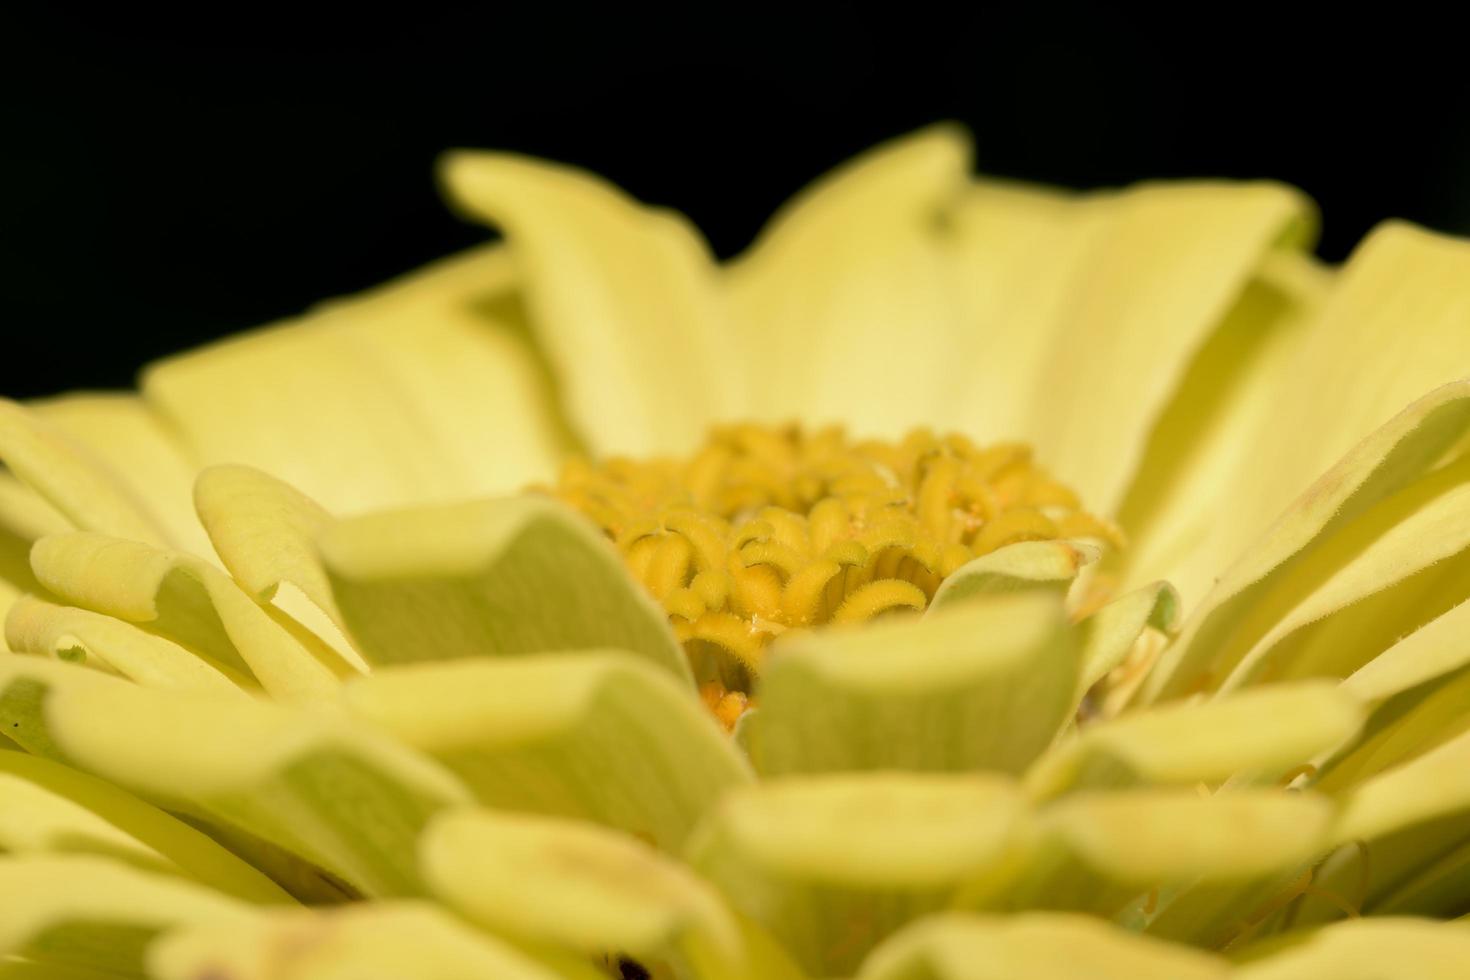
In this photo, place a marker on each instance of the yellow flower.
(286, 632)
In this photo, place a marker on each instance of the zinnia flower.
(533, 617)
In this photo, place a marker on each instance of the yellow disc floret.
(769, 529)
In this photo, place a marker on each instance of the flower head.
(835, 636)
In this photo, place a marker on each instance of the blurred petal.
(621, 297)
(588, 890)
(1400, 278)
(48, 808)
(123, 433)
(600, 736)
(88, 912)
(1197, 245)
(186, 600)
(489, 577)
(1187, 484)
(842, 307)
(1100, 852)
(1364, 949)
(833, 864)
(1411, 822)
(339, 796)
(1037, 946)
(381, 940)
(1271, 729)
(1417, 689)
(985, 684)
(424, 389)
(77, 484)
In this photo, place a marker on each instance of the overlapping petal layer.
(1065, 768)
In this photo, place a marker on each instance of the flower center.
(765, 530)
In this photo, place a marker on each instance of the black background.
(164, 183)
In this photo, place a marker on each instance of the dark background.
(163, 183)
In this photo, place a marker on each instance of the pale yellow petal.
(127, 436)
(1148, 282)
(833, 864)
(489, 577)
(89, 912)
(1188, 485)
(265, 533)
(984, 684)
(1187, 866)
(1364, 949)
(1417, 689)
(425, 389)
(337, 795)
(1383, 574)
(842, 309)
(1109, 634)
(1268, 730)
(621, 297)
(1409, 838)
(80, 486)
(1052, 565)
(581, 888)
(599, 736)
(49, 808)
(36, 626)
(1253, 595)
(1035, 946)
(186, 600)
(382, 940)
(1396, 324)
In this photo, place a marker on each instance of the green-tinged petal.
(985, 684)
(120, 430)
(1400, 278)
(1405, 832)
(46, 807)
(600, 736)
(381, 941)
(1157, 276)
(424, 389)
(89, 912)
(43, 628)
(833, 864)
(265, 532)
(544, 881)
(76, 483)
(1418, 690)
(1208, 435)
(1109, 634)
(1268, 731)
(186, 600)
(1039, 946)
(489, 577)
(1388, 572)
(25, 516)
(1099, 852)
(1016, 568)
(621, 297)
(336, 794)
(842, 308)
(1012, 253)
(1373, 487)
(1363, 949)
